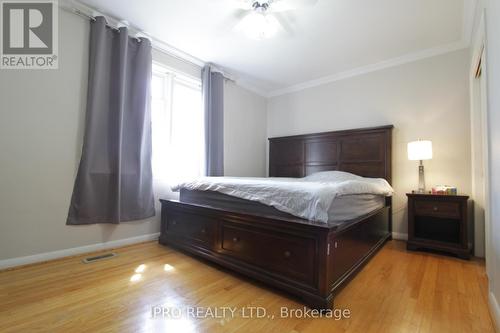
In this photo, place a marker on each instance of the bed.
(309, 259)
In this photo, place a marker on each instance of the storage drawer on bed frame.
(349, 247)
(190, 228)
(291, 256)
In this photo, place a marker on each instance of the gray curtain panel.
(114, 181)
(213, 101)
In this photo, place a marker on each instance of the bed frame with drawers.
(309, 260)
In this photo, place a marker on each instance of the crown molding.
(252, 88)
(412, 57)
(467, 31)
(469, 7)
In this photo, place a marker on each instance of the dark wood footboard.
(311, 261)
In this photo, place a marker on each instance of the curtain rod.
(92, 18)
(156, 44)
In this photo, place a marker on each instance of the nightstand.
(439, 222)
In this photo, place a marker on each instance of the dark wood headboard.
(365, 152)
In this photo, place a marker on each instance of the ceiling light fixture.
(259, 24)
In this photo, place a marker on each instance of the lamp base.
(421, 178)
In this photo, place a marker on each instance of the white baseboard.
(399, 236)
(7, 263)
(494, 310)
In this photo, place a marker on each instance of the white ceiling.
(332, 38)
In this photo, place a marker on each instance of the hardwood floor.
(397, 291)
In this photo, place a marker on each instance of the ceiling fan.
(261, 19)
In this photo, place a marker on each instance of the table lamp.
(419, 151)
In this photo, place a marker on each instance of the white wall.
(478, 120)
(41, 132)
(427, 99)
(41, 128)
(244, 132)
(493, 63)
(492, 12)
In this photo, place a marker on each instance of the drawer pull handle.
(174, 222)
(236, 239)
(435, 208)
(287, 254)
(203, 231)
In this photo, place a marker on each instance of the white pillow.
(331, 176)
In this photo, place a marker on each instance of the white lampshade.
(420, 150)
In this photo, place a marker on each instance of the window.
(177, 124)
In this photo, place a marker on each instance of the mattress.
(318, 197)
(343, 208)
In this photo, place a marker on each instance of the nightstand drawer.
(437, 209)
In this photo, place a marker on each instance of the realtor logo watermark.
(28, 38)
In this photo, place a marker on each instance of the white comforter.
(309, 197)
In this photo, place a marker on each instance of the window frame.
(170, 77)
